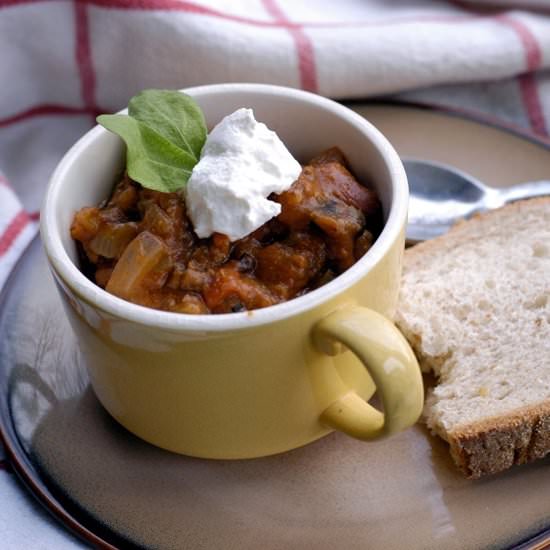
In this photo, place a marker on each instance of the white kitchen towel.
(62, 62)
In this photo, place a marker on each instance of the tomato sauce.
(140, 244)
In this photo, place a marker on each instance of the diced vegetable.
(140, 245)
(144, 266)
(111, 239)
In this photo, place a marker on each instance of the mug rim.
(69, 273)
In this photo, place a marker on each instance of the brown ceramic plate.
(110, 488)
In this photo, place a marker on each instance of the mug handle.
(389, 360)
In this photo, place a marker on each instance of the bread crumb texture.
(475, 306)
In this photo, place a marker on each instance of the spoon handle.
(525, 191)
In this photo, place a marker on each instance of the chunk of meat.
(341, 224)
(320, 183)
(363, 244)
(287, 267)
(163, 214)
(125, 195)
(327, 195)
(214, 251)
(230, 290)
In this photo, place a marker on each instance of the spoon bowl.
(441, 195)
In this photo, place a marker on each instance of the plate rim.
(18, 458)
(32, 479)
(470, 115)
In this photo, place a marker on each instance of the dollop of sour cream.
(241, 164)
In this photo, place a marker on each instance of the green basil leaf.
(175, 116)
(152, 160)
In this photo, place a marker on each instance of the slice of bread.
(475, 306)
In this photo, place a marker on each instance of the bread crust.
(492, 444)
(495, 444)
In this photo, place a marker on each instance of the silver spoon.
(440, 195)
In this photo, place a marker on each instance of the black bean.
(235, 308)
(247, 263)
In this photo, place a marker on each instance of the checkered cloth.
(62, 62)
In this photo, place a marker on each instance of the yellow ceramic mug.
(250, 384)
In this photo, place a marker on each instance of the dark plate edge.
(27, 474)
(17, 456)
(538, 542)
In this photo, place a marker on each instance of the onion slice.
(143, 266)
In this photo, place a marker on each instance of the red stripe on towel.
(83, 55)
(533, 59)
(14, 229)
(528, 81)
(531, 99)
(533, 53)
(304, 46)
(307, 66)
